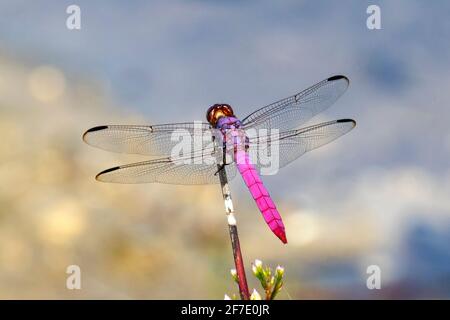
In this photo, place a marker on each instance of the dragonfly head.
(217, 111)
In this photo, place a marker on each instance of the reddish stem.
(242, 279)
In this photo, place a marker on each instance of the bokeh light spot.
(62, 223)
(46, 83)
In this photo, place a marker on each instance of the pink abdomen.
(260, 194)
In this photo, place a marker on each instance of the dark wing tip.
(98, 128)
(106, 171)
(346, 120)
(338, 77)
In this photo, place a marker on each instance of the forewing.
(293, 111)
(157, 140)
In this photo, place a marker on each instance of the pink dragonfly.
(228, 142)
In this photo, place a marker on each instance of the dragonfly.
(226, 139)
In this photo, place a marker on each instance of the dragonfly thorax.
(227, 123)
(218, 111)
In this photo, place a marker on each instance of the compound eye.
(210, 113)
(227, 110)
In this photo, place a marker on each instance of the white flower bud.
(255, 295)
(280, 270)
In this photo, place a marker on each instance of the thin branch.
(237, 254)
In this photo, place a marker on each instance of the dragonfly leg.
(224, 159)
(221, 167)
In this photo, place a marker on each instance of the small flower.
(234, 275)
(257, 268)
(255, 295)
(279, 271)
(227, 297)
(277, 281)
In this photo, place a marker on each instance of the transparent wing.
(293, 111)
(157, 140)
(198, 171)
(292, 144)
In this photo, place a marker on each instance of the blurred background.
(377, 196)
